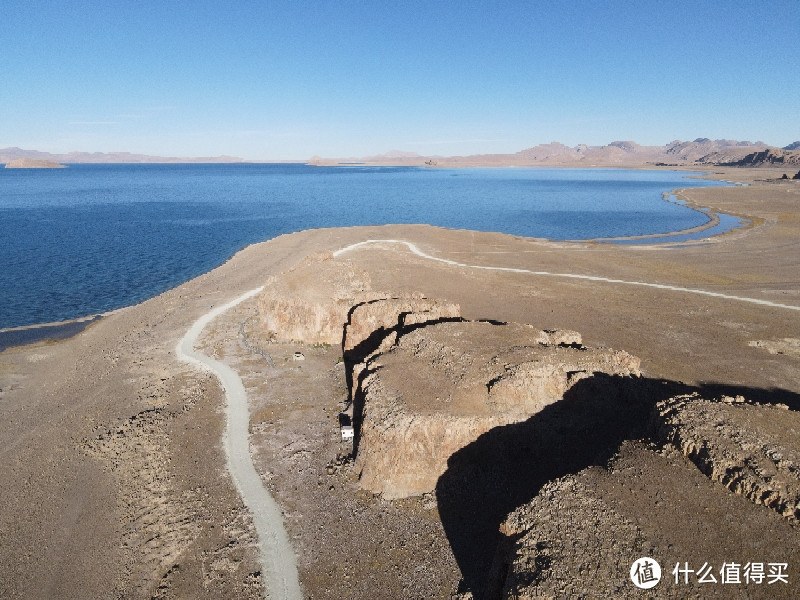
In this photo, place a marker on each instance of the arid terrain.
(700, 152)
(530, 418)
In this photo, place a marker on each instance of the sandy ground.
(112, 467)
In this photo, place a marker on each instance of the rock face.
(433, 389)
(771, 156)
(381, 318)
(752, 450)
(597, 521)
(310, 303)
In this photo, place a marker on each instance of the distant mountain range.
(702, 151)
(10, 154)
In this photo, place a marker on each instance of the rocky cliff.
(438, 387)
(310, 303)
(381, 319)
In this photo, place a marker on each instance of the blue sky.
(287, 80)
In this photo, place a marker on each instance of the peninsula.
(530, 418)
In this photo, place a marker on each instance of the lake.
(92, 238)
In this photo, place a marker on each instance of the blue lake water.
(92, 238)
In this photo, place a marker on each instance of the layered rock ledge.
(440, 386)
(310, 303)
(750, 449)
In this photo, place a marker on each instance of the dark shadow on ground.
(507, 466)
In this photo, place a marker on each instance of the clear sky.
(287, 80)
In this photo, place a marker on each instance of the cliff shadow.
(507, 466)
(366, 351)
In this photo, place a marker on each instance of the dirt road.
(277, 555)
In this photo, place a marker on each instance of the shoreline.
(50, 330)
(26, 335)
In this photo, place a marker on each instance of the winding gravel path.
(660, 286)
(281, 581)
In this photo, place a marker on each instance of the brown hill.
(771, 156)
(616, 154)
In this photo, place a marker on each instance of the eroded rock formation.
(750, 449)
(579, 536)
(310, 302)
(439, 387)
(627, 508)
(381, 319)
(548, 459)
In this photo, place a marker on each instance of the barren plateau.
(530, 417)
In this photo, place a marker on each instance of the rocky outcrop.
(323, 300)
(597, 521)
(310, 303)
(439, 387)
(382, 318)
(580, 535)
(374, 326)
(751, 449)
(769, 157)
